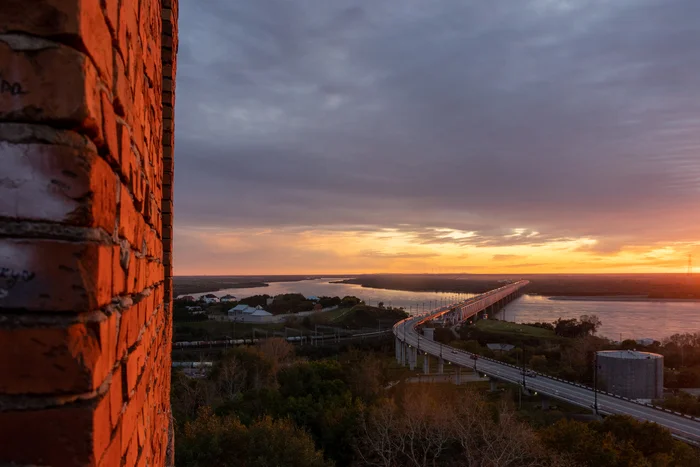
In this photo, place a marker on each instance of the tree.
(538, 363)
(278, 351)
(590, 323)
(242, 369)
(349, 301)
(585, 326)
(433, 425)
(364, 373)
(211, 441)
(188, 395)
(618, 441)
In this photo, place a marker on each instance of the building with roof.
(227, 298)
(238, 309)
(249, 314)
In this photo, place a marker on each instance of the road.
(682, 427)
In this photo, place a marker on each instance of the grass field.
(505, 327)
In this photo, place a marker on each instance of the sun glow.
(413, 250)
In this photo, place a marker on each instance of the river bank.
(190, 285)
(619, 298)
(576, 286)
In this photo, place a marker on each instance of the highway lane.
(682, 427)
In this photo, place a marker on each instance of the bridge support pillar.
(397, 349)
(412, 358)
(426, 364)
(545, 402)
(493, 383)
(458, 376)
(441, 365)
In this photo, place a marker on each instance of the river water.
(629, 319)
(411, 301)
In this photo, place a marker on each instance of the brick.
(113, 454)
(129, 161)
(154, 272)
(109, 131)
(131, 453)
(121, 87)
(48, 360)
(56, 183)
(136, 275)
(64, 436)
(141, 430)
(129, 40)
(167, 165)
(76, 22)
(135, 365)
(130, 222)
(167, 204)
(102, 427)
(133, 409)
(110, 9)
(73, 100)
(118, 272)
(129, 330)
(116, 399)
(77, 278)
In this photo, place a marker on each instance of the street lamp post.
(595, 382)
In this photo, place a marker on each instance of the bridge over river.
(409, 343)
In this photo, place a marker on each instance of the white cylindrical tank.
(633, 374)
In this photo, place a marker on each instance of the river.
(629, 319)
(411, 301)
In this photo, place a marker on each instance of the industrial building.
(632, 374)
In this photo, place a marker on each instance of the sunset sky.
(348, 136)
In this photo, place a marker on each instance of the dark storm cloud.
(569, 118)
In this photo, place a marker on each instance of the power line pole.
(690, 265)
(595, 383)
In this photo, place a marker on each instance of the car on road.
(454, 351)
(531, 374)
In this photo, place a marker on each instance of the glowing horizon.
(394, 251)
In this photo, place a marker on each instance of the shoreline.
(616, 298)
(355, 282)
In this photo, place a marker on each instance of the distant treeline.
(583, 285)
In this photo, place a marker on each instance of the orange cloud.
(320, 250)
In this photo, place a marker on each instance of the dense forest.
(264, 406)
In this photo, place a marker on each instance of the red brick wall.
(86, 138)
